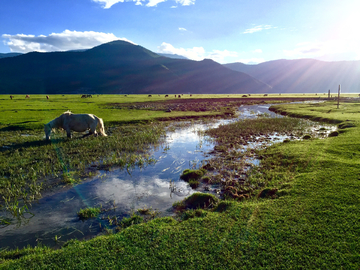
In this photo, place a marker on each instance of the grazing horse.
(47, 97)
(76, 122)
(11, 97)
(27, 96)
(168, 95)
(149, 95)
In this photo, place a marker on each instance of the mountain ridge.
(119, 67)
(304, 75)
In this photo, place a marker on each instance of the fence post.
(339, 96)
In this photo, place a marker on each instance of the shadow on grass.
(22, 126)
(35, 143)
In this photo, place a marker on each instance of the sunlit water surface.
(55, 219)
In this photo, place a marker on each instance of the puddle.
(157, 186)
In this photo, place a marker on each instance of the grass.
(33, 113)
(29, 165)
(89, 212)
(192, 177)
(241, 130)
(312, 222)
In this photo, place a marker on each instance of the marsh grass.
(230, 165)
(89, 212)
(27, 163)
(246, 128)
(313, 223)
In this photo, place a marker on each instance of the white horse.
(76, 122)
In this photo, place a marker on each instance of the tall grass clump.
(89, 212)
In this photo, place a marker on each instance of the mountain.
(305, 75)
(4, 55)
(119, 67)
(174, 56)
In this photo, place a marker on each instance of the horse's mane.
(68, 112)
(58, 121)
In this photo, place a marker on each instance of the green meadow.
(309, 219)
(33, 113)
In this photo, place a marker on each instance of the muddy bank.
(201, 105)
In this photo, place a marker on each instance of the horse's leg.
(68, 133)
(93, 128)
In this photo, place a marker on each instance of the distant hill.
(4, 55)
(174, 56)
(119, 67)
(305, 75)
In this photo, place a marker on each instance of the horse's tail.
(101, 126)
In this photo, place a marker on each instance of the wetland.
(278, 190)
(142, 172)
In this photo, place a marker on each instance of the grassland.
(311, 222)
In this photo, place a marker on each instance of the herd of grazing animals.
(90, 96)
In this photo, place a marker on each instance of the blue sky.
(226, 31)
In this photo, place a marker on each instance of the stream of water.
(55, 219)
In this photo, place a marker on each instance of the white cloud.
(109, 3)
(182, 29)
(67, 40)
(309, 50)
(185, 2)
(197, 53)
(153, 3)
(329, 50)
(257, 29)
(257, 51)
(150, 3)
(219, 56)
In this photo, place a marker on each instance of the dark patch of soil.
(198, 105)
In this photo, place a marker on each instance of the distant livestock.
(86, 96)
(11, 97)
(27, 96)
(168, 95)
(75, 122)
(47, 97)
(179, 96)
(149, 96)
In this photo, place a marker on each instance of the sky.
(226, 31)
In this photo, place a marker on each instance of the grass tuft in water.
(89, 212)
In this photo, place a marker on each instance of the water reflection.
(157, 186)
